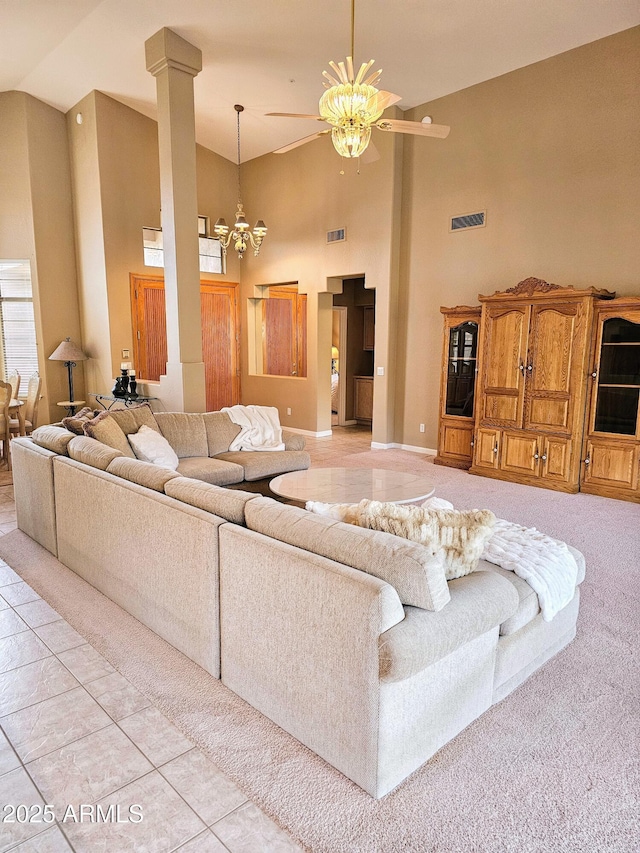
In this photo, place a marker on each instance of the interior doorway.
(353, 349)
(338, 345)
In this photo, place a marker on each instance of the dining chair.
(13, 378)
(30, 406)
(5, 435)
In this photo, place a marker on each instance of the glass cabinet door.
(618, 392)
(461, 369)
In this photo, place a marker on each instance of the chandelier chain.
(238, 111)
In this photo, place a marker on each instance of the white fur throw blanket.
(260, 428)
(544, 563)
(458, 534)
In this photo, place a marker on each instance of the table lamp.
(70, 353)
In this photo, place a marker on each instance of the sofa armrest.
(299, 642)
(293, 440)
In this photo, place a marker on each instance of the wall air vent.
(337, 236)
(469, 220)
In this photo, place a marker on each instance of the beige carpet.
(554, 767)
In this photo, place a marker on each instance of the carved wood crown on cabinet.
(545, 362)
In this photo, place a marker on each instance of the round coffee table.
(351, 485)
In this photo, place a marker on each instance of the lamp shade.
(67, 351)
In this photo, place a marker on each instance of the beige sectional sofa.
(349, 639)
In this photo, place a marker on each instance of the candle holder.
(121, 388)
(133, 385)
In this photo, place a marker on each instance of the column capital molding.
(167, 49)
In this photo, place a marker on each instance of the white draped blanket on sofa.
(260, 428)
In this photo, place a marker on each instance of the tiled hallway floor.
(76, 733)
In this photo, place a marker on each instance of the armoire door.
(502, 381)
(220, 337)
(553, 373)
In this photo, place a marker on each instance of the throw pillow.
(105, 429)
(75, 423)
(460, 534)
(150, 446)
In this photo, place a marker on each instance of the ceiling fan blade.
(302, 141)
(370, 154)
(386, 99)
(294, 115)
(440, 131)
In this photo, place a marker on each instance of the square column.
(174, 63)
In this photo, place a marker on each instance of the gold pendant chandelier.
(241, 235)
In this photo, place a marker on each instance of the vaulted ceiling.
(269, 55)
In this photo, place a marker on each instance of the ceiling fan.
(352, 105)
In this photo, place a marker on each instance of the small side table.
(71, 406)
(127, 401)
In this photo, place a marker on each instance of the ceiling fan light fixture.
(349, 102)
(351, 140)
(353, 104)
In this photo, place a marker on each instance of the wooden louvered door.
(220, 344)
(284, 321)
(220, 336)
(149, 327)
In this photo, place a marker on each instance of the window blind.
(17, 321)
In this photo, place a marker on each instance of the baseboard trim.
(412, 448)
(325, 433)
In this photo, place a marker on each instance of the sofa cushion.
(150, 445)
(460, 534)
(220, 431)
(258, 464)
(185, 432)
(53, 438)
(416, 572)
(143, 473)
(75, 423)
(132, 418)
(106, 429)
(213, 471)
(92, 452)
(479, 602)
(226, 503)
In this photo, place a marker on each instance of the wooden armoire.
(532, 383)
(557, 390)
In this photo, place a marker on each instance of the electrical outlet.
(421, 427)
(381, 371)
(288, 411)
(125, 354)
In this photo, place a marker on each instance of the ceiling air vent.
(469, 220)
(337, 236)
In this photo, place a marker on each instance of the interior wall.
(301, 195)
(36, 223)
(117, 191)
(551, 153)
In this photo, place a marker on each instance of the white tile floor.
(76, 732)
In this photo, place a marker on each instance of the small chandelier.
(351, 103)
(240, 234)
